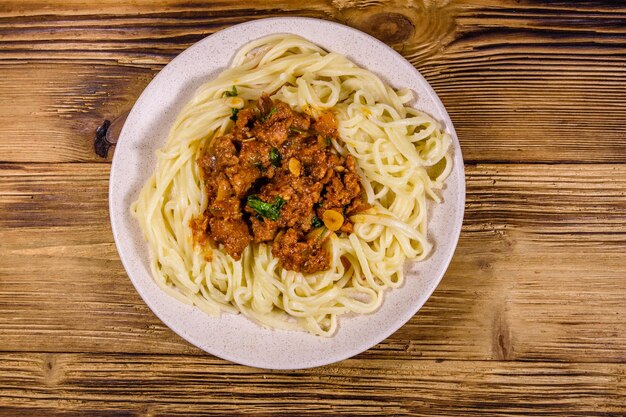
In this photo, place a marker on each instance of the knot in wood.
(389, 27)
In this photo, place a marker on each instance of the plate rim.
(406, 314)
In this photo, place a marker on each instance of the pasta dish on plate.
(292, 189)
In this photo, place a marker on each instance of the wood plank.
(54, 110)
(539, 273)
(538, 81)
(92, 384)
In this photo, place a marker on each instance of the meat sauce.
(276, 178)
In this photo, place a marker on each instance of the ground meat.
(245, 118)
(271, 180)
(250, 167)
(234, 234)
(264, 230)
(326, 125)
(305, 256)
(275, 125)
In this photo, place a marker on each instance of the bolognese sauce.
(276, 178)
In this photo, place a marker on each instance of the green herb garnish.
(233, 115)
(268, 210)
(269, 114)
(275, 157)
(316, 222)
(231, 93)
(322, 233)
(296, 130)
(328, 142)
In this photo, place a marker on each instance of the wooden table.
(530, 317)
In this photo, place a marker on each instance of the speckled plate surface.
(234, 337)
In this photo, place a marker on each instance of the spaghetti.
(402, 158)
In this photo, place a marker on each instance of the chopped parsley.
(296, 130)
(268, 210)
(231, 93)
(233, 115)
(316, 222)
(260, 167)
(328, 142)
(269, 114)
(322, 233)
(275, 157)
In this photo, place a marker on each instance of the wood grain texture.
(530, 318)
(523, 81)
(537, 275)
(94, 385)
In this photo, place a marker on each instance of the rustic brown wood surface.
(530, 318)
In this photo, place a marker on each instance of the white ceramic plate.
(234, 337)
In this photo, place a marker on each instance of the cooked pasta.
(402, 157)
